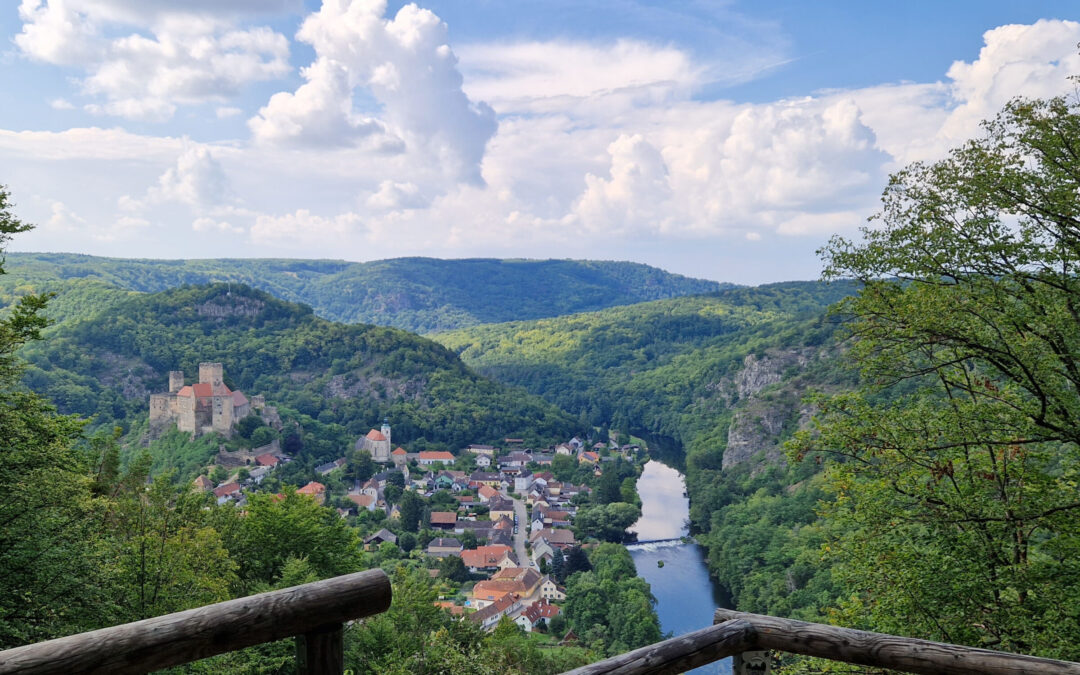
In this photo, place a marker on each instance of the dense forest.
(334, 378)
(421, 295)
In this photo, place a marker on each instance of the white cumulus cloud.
(405, 63)
(175, 56)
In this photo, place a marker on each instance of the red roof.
(375, 435)
(440, 455)
(267, 460)
(485, 556)
(312, 488)
(185, 391)
(227, 489)
(362, 500)
(541, 610)
(443, 518)
(487, 492)
(238, 398)
(398, 451)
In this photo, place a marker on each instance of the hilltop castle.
(201, 408)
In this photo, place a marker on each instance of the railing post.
(751, 663)
(321, 651)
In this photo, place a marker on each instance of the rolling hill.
(421, 295)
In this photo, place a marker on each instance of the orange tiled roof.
(312, 488)
(375, 435)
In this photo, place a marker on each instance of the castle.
(204, 407)
(377, 443)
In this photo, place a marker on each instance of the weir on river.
(685, 594)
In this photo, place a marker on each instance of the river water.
(685, 595)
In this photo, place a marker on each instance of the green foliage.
(421, 295)
(610, 607)
(955, 465)
(607, 522)
(329, 379)
(653, 366)
(276, 529)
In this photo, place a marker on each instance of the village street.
(521, 531)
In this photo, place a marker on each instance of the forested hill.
(336, 378)
(421, 295)
(665, 367)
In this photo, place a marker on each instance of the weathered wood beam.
(195, 634)
(888, 651)
(678, 654)
(321, 651)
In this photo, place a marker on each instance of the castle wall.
(211, 373)
(185, 418)
(161, 408)
(222, 416)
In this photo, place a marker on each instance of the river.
(685, 595)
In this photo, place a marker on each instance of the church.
(377, 442)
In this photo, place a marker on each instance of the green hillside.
(421, 295)
(334, 379)
(716, 383)
(663, 367)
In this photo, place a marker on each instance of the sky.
(725, 140)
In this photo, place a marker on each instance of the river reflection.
(685, 595)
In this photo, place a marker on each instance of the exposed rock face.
(230, 305)
(763, 411)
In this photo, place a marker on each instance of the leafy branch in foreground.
(955, 487)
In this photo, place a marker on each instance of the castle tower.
(176, 380)
(210, 373)
(386, 432)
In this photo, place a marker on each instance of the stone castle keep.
(201, 408)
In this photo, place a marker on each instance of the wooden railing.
(314, 613)
(739, 633)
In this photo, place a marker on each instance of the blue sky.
(725, 140)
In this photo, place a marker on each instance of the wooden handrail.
(314, 612)
(909, 655)
(678, 654)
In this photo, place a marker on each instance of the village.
(495, 526)
(503, 515)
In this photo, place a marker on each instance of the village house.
(562, 539)
(226, 492)
(399, 456)
(363, 501)
(324, 469)
(483, 461)
(549, 590)
(536, 615)
(383, 535)
(542, 551)
(488, 558)
(488, 617)
(427, 458)
(487, 450)
(316, 491)
(443, 520)
(203, 484)
(441, 547)
(499, 507)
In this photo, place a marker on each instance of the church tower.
(386, 432)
